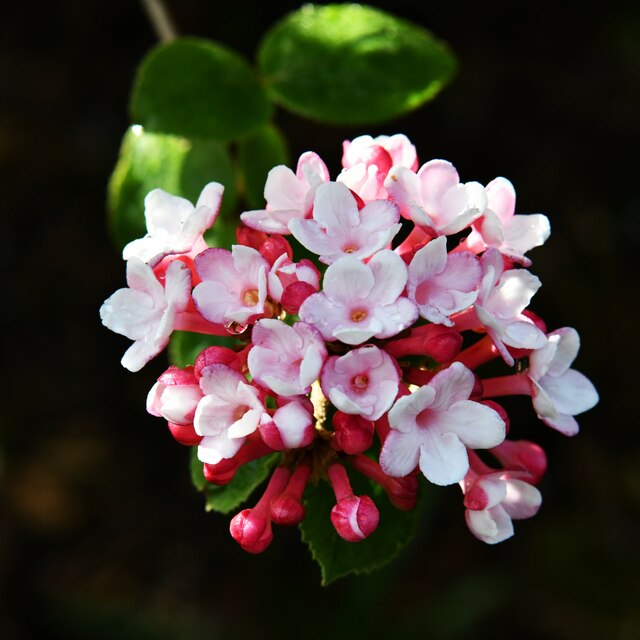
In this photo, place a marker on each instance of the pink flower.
(286, 359)
(362, 382)
(434, 425)
(284, 273)
(398, 146)
(435, 198)
(494, 500)
(175, 396)
(338, 228)
(230, 410)
(558, 392)
(288, 195)
(174, 225)
(442, 284)
(502, 298)
(146, 311)
(291, 426)
(367, 161)
(501, 229)
(359, 301)
(234, 284)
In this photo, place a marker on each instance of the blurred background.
(101, 533)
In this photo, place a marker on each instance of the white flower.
(146, 311)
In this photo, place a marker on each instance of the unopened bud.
(353, 434)
(273, 247)
(184, 434)
(522, 455)
(355, 518)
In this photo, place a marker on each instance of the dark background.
(101, 533)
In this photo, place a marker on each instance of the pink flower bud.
(522, 455)
(250, 237)
(287, 508)
(353, 433)
(215, 355)
(353, 517)
(295, 294)
(273, 247)
(251, 528)
(184, 434)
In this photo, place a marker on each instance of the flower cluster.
(364, 360)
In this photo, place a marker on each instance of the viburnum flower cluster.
(364, 358)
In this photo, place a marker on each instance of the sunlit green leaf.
(198, 88)
(352, 64)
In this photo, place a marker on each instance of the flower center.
(350, 248)
(250, 297)
(361, 381)
(239, 412)
(358, 315)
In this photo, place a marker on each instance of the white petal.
(477, 426)
(400, 453)
(490, 525)
(443, 458)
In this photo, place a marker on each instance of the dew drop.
(235, 328)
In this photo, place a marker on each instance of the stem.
(515, 385)
(478, 354)
(161, 20)
(466, 320)
(191, 321)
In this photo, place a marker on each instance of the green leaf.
(352, 64)
(230, 496)
(182, 167)
(258, 154)
(197, 88)
(337, 557)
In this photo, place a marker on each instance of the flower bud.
(295, 294)
(215, 355)
(522, 455)
(287, 508)
(250, 237)
(353, 434)
(273, 247)
(184, 434)
(355, 518)
(251, 528)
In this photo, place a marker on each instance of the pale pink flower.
(433, 426)
(286, 359)
(494, 500)
(499, 227)
(230, 410)
(175, 396)
(367, 161)
(289, 195)
(558, 392)
(234, 284)
(442, 284)
(502, 298)
(398, 146)
(146, 311)
(362, 382)
(284, 273)
(174, 225)
(291, 426)
(359, 301)
(338, 228)
(435, 199)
